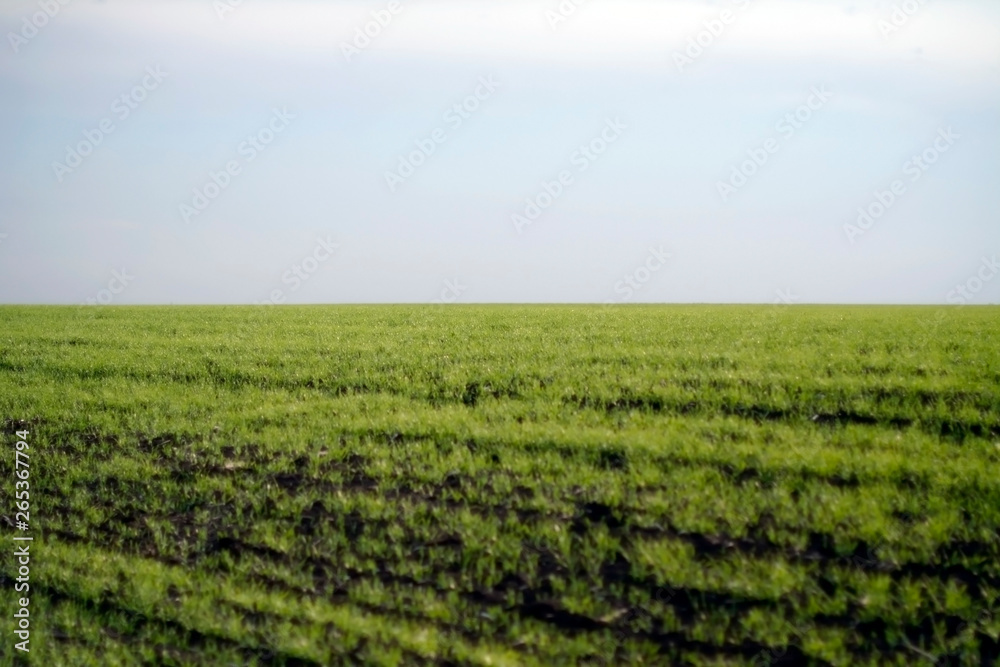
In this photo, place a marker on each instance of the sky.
(422, 151)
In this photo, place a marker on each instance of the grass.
(507, 485)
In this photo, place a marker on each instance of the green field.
(506, 485)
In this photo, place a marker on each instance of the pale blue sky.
(346, 122)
